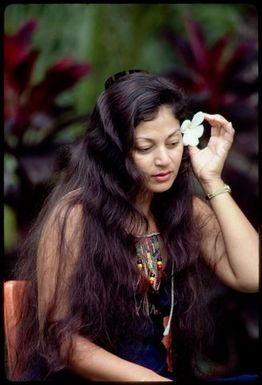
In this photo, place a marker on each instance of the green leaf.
(10, 228)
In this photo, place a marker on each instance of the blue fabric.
(149, 355)
(148, 350)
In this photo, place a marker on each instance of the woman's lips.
(162, 176)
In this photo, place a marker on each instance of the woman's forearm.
(240, 237)
(96, 364)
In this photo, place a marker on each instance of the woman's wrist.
(211, 186)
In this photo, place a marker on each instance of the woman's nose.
(161, 158)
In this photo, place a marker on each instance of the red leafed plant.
(222, 78)
(22, 99)
(219, 78)
(33, 118)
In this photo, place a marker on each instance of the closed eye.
(173, 144)
(147, 149)
(143, 150)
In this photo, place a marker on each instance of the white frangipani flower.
(192, 129)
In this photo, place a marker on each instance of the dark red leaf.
(182, 47)
(241, 57)
(215, 52)
(61, 76)
(24, 34)
(18, 59)
(18, 77)
(182, 78)
(16, 47)
(197, 43)
(13, 54)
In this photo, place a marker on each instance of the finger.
(215, 119)
(227, 130)
(225, 136)
(223, 129)
(215, 130)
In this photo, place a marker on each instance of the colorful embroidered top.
(149, 260)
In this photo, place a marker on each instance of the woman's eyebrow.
(152, 140)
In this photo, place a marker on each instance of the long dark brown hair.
(100, 289)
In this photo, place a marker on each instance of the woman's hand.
(208, 162)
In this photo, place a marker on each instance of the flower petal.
(197, 118)
(198, 130)
(194, 141)
(191, 140)
(185, 125)
(186, 140)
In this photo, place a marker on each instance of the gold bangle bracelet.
(225, 189)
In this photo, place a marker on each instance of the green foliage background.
(113, 37)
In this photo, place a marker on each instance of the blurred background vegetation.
(56, 59)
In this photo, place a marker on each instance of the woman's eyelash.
(143, 149)
(173, 144)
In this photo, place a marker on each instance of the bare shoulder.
(62, 230)
(67, 212)
(58, 251)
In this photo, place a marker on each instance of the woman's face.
(158, 150)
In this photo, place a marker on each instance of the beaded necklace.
(149, 260)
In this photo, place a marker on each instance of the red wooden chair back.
(13, 293)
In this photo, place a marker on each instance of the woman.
(121, 247)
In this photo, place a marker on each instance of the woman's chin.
(161, 187)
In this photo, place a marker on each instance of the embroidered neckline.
(147, 235)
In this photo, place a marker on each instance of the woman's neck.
(143, 202)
